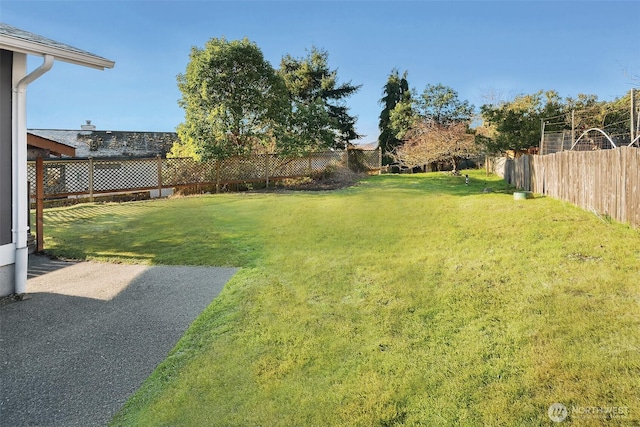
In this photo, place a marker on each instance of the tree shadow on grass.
(210, 230)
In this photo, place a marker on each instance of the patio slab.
(90, 333)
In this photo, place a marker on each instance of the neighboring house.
(89, 142)
(117, 158)
(15, 45)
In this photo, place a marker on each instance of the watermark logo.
(557, 412)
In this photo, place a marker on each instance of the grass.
(406, 300)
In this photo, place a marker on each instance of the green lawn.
(406, 300)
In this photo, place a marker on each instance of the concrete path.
(90, 334)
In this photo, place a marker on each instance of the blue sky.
(475, 47)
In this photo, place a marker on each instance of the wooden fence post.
(486, 162)
(217, 175)
(267, 168)
(159, 159)
(91, 179)
(39, 204)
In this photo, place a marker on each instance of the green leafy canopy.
(234, 101)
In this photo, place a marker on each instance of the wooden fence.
(603, 181)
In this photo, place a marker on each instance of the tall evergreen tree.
(309, 79)
(395, 91)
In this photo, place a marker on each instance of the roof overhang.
(16, 40)
(54, 147)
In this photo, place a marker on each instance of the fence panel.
(604, 181)
(61, 177)
(124, 174)
(287, 167)
(236, 169)
(366, 159)
(321, 161)
(186, 171)
(66, 177)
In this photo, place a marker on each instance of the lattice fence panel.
(31, 177)
(370, 159)
(320, 161)
(109, 175)
(282, 167)
(60, 176)
(184, 171)
(249, 168)
(74, 176)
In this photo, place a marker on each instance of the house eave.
(54, 147)
(34, 48)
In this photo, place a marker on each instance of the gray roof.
(17, 40)
(100, 143)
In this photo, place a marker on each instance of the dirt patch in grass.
(333, 180)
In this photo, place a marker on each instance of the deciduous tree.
(428, 142)
(441, 105)
(434, 128)
(233, 99)
(517, 124)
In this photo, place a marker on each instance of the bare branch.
(429, 142)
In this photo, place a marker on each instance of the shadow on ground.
(40, 264)
(74, 360)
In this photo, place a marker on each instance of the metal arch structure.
(599, 130)
(635, 141)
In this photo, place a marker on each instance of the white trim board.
(7, 254)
